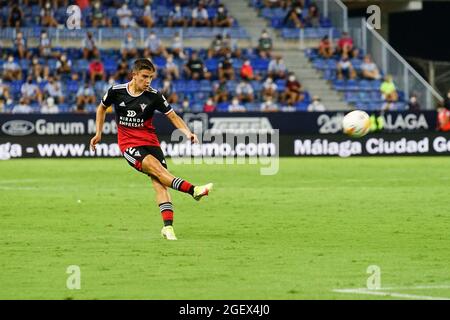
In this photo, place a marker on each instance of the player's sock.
(166, 209)
(183, 186)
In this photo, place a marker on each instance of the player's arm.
(100, 118)
(182, 126)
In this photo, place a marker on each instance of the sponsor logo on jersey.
(131, 113)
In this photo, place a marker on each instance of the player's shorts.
(136, 155)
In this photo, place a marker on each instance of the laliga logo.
(74, 20)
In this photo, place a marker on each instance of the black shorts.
(136, 155)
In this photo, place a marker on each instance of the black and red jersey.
(134, 114)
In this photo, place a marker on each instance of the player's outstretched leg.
(165, 206)
(152, 166)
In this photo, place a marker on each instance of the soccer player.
(135, 103)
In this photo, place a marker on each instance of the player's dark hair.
(143, 64)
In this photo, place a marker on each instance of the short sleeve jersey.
(134, 115)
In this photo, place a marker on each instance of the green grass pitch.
(314, 227)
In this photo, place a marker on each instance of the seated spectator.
(316, 105)
(39, 71)
(231, 46)
(269, 105)
(345, 46)
(447, 101)
(273, 3)
(226, 70)
(222, 20)
(125, 16)
(369, 69)
(244, 91)
(293, 92)
(5, 97)
(49, 106)
(96, 71)
(20, 46)
(171, 69)
(154, 46)
(122, 71)
(265, 45)
(89, 46)
(413, 104)
(168, 91)
(269, 89)
(313, 18)
(247, 71)
(277, 69)
(85, 95)
(147, 17)
(200, 16)
(444, 115)
(216, 48)
(185, 105)
(389, 91)
(23, 106)
(345, 68)
(47, 16)
(235, 106)
(54, 89)
(176, 18)
(11, 70)
(45, 45)
(326, 48)
(16, 16)
(294, 15)
(63, 65)
(220, 91)
(195, 68)
(209, 106)
(31, 91)
(177, 47)
(99, 19)
(129, 47)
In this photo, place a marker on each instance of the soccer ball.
(356, 123)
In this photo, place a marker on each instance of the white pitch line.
(388, 294)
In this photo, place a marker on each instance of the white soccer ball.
(356, 124)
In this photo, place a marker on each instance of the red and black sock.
(183, 186)
(166, 209)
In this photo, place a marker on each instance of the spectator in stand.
(389, 91)
(274, 3)
(345, 68)
(226, 70)
(168, 92)
(265, 45)
(47, 16)
(313, 17)
(247, 71)
(195, 68)
(54, 89)
(177, 47)
(90, 50)
(231, 46)
(345, 46)
(31, 91)
(185, 105)
(294, 15)
(236, 106)
(269, 89)
(293, 92)
(209, 106)
(220, 91)
(154, 46)
(49, 106)
(200, 16)
(222, 20)
(85, 95)
(369, 69)
(16, 16)
(171, 69)
(147, 17)
(122, 71)
(129, 47)
(11, 70)
(244, 91)
(216, 47)
(176, 18)
(40, 72)
(447, 101)
(326, 48)
(413, 104)
(316, 105)
(5, 97)
(23, 106)
(20, 46)
(63, 66)
(444, 114)
(45, 45)
(99, 19)
(277, 69)
(269, 105)
(125, 16)
(96, 71)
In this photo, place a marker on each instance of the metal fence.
(336, 11)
